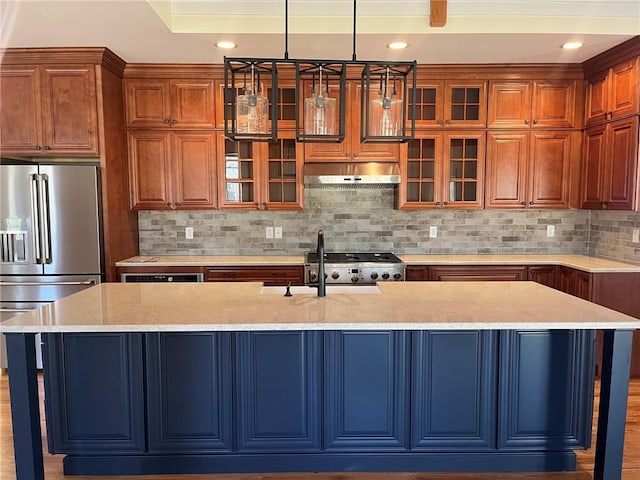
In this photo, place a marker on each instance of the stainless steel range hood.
(351, 173)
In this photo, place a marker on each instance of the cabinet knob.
(447, 121)
(610, 115)
(532, 203)
(523, 203)
(47, 147)
(169, 204)
(264, 205)
(257, 206)
(437, 204)
(535, 122)
(445, 203)
(38, 147)
(166, 120)
(439, 122)
(173, 121)
(177, 204)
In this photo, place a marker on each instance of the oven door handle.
(16, 310)
(44, 284)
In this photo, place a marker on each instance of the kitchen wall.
(611, 234)
(363, 219)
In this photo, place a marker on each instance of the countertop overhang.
(141, 307)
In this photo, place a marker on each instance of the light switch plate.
(188, 233)
(433, 231)
(269, 232)
(635, 236)
(278, 232)
(551, 231)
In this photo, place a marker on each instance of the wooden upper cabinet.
(172, 170)
(610, 166)
(450, 103)
(614, 93)
(443, 170)
(529, 169)
(152, 103)
(48, 110)
(532, 104)
(260, 175)
(350, 149)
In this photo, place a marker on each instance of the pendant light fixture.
(387, 97)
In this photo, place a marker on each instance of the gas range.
(355, 268)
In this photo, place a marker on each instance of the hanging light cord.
(353, 56)
(286, 29)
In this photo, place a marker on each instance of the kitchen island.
(421, 376)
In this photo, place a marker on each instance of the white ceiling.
(184, 31)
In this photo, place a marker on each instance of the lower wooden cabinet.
(94, 393)
(269, 275)
(574, 282)
(544, 274)
(474, 273)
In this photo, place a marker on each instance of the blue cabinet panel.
(546, 389)
(366, 390)
(189, 392)
(94, 393)
(278, 389)
(453, 396)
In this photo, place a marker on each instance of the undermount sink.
(331, 289)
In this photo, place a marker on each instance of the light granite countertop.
(580, 262)
(140, 307)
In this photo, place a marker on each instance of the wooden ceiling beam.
(438, 13)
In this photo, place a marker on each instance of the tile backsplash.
(611, 235)
(363, 219)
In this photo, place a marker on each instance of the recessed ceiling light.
(226, 44)
(397, 45)
(572, 45)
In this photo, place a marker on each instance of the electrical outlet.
(277, 232)
(551, 230)
(269, 232)
(433, 231)
(188, 233)
(635, 236)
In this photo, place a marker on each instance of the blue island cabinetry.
(197, 402)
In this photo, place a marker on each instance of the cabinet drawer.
(277, 275)
(474, 273)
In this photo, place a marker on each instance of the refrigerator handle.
(35, 214)
(46, 218)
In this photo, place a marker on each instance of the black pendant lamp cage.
(387, 113)
(387, 102)
(248, 113)
(320, 100)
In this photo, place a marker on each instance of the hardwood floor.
(53, 463)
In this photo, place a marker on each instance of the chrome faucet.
(322, 288)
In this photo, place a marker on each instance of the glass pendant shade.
(385, 117)
(252, 113)
(320, 112)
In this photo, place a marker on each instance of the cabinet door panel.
(622, 157)
(189, 392)
(94, 393)
(549, 169)
(278, 379)
(593, 167)
(507, 155)
(546, 389)
(553, 104)
(149, 164)
(147, 103)
(509, 105)
(194, 169)
(69, 110)
(464, 157)
(597, 99)
(454, 384)
(192, 104)
(366, 390)
(21, 114)
(624, 89)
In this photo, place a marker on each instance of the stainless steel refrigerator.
(50, 235)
